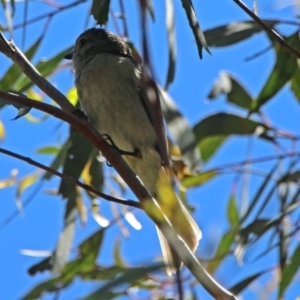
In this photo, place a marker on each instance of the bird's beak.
(69, 55)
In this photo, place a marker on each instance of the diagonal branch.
(273, 33)
(71, 180)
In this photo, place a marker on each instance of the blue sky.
(39, 225)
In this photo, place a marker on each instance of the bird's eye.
(82, 42)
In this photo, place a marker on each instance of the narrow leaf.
(239, 287)
(232, 212)
(232, 33)
(283, 71)
(12, 75)
(194, 24)
(223, 248)
(100, 11)
(170, 25)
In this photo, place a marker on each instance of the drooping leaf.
(129, 276)
(100, 11)
(26, 183)
(195, 26)
(199, 179)
(77, 156)
(223, 248)
(49, 150)
(59, 159)
(283, 71)
(223, 124)
(290, 271)
(49, 286)
(209, 146)
(239, 287)
(234, 91)
(90, 249)
(295, 84)
(232, 212)
(233, 33)
(119, 261)
(258, 194)
(13, 74)
(45, 67)
(170, 25)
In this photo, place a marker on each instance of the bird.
(111, 94)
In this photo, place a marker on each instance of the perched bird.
(109, 86)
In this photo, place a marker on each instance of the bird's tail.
(191, 236)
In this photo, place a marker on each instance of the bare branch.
(46, 15)
(72, 180)
(273, 33)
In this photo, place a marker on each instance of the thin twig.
(268, 29)
(72, 180)
(46, 15)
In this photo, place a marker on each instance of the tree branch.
(72, 180)
(269, 30)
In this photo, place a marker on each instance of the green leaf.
(222, 250)
(45, 67)
(290, 271)
(259, 192)
(59, 159)
(96, 172)
(26, 183)
(239, 287)
(257, 227)
(291, 177)
(90, 249)
(51, 285)
(295, 86)
(77, 156)
(283, 71)
(232, 212)
(209, 145)
(100, 11)
(13, 74)
(195, 26)
(235, 92)
(235, 32)
(223, 124)
(117, 254)
(195, 181)
(49, 150)
(129, 276)
(170, 24)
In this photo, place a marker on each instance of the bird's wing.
(149, 96)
